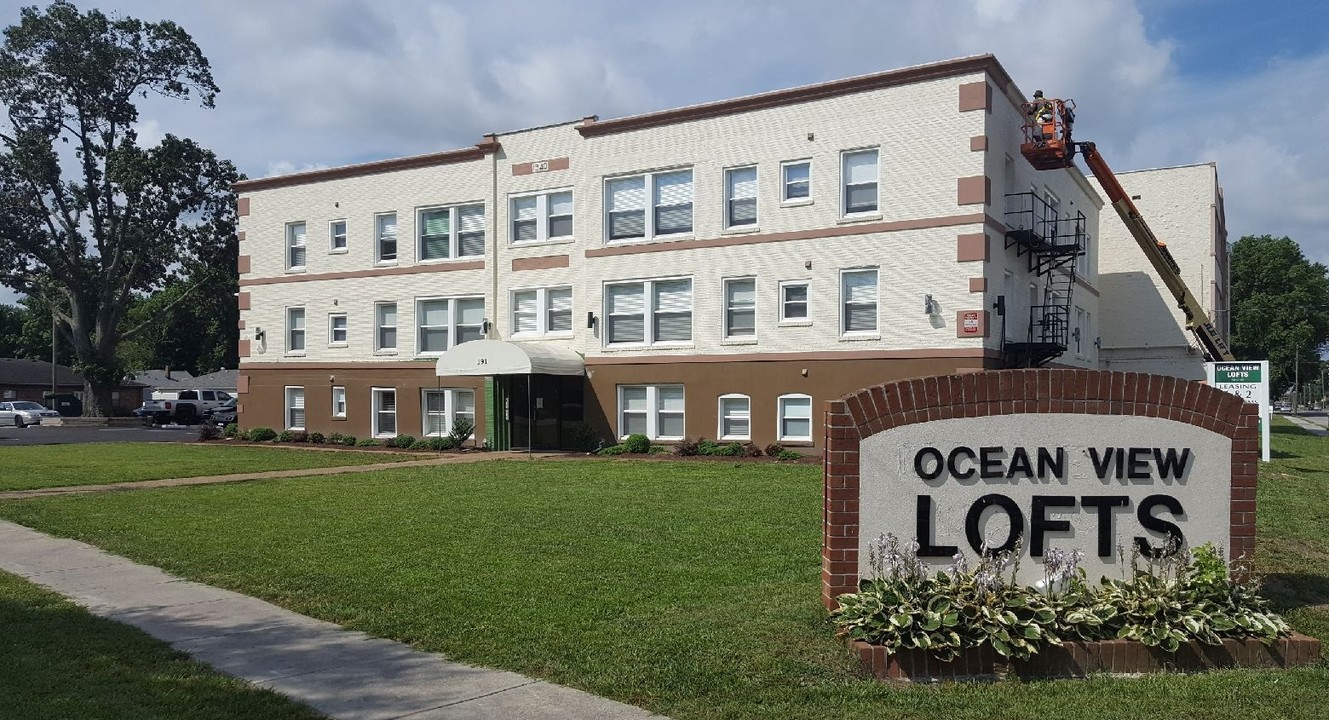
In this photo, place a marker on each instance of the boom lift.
(1048, 146)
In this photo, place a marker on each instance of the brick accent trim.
(975, 96)
(242, 300)
(242, 207)
(376, 272)
(978, 284)
(978, 143)
(242, 264)
(241, 324)
(1005, 392)
(240, 236)
(976, 190)
(528, 168)
(971, 247)
(541, 263)
(242, 384)
(244, 348)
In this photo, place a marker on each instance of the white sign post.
(1249, 381)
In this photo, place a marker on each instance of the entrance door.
(541, 409)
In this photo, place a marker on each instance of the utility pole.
(53, 391)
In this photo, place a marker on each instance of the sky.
(308, 84)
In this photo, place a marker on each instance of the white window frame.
(784, 183)
(376, 404)
(289, 421)
(332, 329)
(380, 236)
(729, 198)
(876, 304)
(781, 414)
(844, 183)
(292, 331)
(1079, 334)
(339, 401)
(297, 241)
(721, 416)
(450, 397)
(807, 302)
(543, 218)
(454, 231)
(379, 327)
(653, 411)
(454, 322)
(333, 236)
(543, 310)
(728, 307)
(648, 227)
(649, 312)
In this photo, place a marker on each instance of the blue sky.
(316, 83)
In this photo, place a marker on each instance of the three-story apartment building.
(718, 270)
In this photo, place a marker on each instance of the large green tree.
(1280, 308)
(89, 218)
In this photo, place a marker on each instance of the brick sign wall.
(1172, 440)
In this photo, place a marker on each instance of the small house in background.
(221, 380)
(22, 379)
(156, 380)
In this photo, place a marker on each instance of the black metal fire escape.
(1052, 243)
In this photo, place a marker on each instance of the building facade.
(717, 271)
(1145, 331)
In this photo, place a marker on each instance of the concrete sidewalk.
(341, 673)
(1306, 424)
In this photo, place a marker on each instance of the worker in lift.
(1043, 114)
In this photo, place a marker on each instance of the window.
(860, 182)
(445, 323)
(735, 417)
(537, 218)
(337, 329)
(795, 417)
(1078, 336)
(544, 311)
(670, 195)
(740, 197)
(794, 301)
(655, 411)
(295, 408)
(295, 246)
(443, 407)
(295, 330)
(452, 232)
(385, 230)
(385, 412)
(740, 308)
(858, 295)
(337, 235)
(667, 317)
(338, 401)
(797, 181)
(385, 326)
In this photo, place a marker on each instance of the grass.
(58, 661)
(30, 467)
(690, 589)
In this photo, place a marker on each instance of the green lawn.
(58, 661)
(44, 466)
(691, 589)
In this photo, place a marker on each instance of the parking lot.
(52, 435)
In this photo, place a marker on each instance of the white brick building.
(720, 269)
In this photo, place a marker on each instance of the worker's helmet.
(1038, 93)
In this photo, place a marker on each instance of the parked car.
(224, 414)
(185, 406)
(23, 413)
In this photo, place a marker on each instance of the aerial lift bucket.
(1047, 140)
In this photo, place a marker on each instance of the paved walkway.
(341, 673)
(1310, 424)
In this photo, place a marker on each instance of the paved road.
(51, 435)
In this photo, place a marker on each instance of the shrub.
(340, 439)
(750, 449)
(613, 450)
(260, 434)
(401, 442)
(706, 447)
(580, 436)
(660, 449)
(367, 442)
(774, 449)
(687, 447)
(207, 432)
(317, 438)
(293, 436)
(461, 431)
(733, 449)
(637, 444)
(789, 455)
(437, 444)
(231, 430)
(421, 444)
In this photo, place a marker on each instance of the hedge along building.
(717, 270)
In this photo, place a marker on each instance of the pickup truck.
(185, 407)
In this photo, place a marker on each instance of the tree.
(199, 335)
(1280, 308)
(128, 220)
(25, 332)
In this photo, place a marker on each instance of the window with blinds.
(443, 323)
(541, 312)
(858, 294)
(666, 195)
(339, 401)
(672, 311)
(735, 417)
(794, 301)
(432, 318)
(385, 326)
(656, 411)
(295, 330)
(452, 232)
(797, 179)
(543, 217)
(741, 197)
(337, 329)
(740, 308)
(442, 407)
(669, 310)
(295, 246)
(795, 417)
(385, 232)
(295, 408)
(337, 235)
(625, 310)
(385, 412)
(860, 182)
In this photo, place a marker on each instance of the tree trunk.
(97, 400)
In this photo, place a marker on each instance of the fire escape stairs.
(1052, 244)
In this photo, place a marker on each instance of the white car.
(23, 413)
